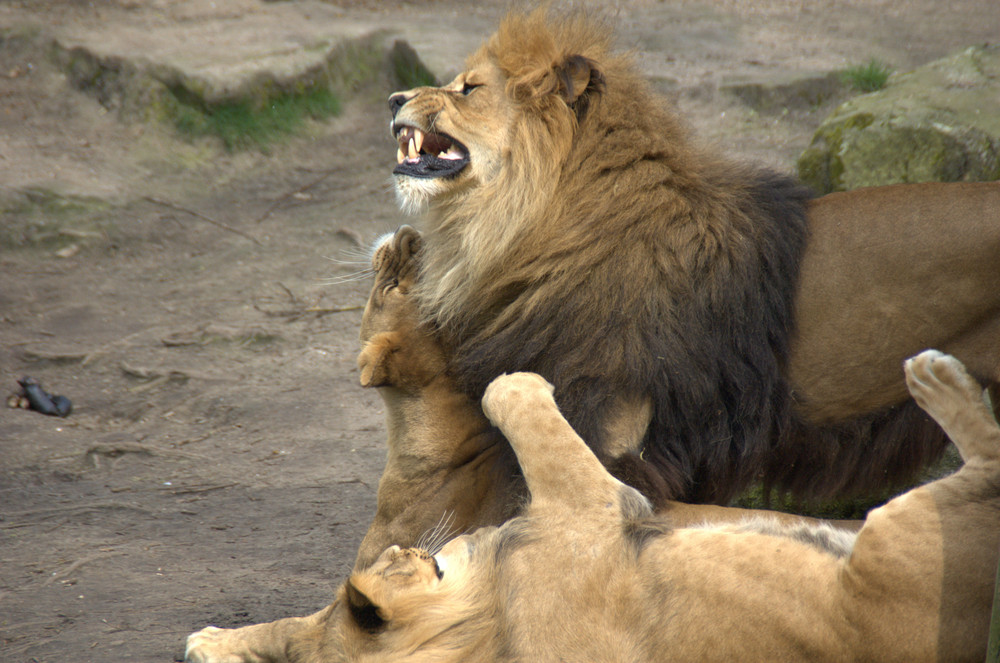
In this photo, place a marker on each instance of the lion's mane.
(619, 260)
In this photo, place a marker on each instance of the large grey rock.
(940, 122)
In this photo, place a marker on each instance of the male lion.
(574, 230)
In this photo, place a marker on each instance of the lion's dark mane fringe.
(712, 361)
(876, 452)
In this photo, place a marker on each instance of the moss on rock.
(937, 123)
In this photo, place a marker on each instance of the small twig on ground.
(78, 563)
(294, 314)
(65, 510)
(201, 489)
(121, 448)
(107, 346)
(302, 189)
(207, 219)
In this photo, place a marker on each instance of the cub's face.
(404, 602)
(450, 138)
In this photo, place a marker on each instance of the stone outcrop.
(940, 122)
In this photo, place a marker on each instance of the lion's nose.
(396, 102)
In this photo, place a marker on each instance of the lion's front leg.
(557, 465)
(292, 640)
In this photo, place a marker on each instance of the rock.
(940, 122)
(406, 69)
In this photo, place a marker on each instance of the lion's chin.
(414, 194)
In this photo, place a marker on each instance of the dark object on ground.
(40, 401)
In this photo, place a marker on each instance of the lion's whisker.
(347, 278)
(434, 539)
(338, 261)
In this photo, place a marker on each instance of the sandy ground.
(199, 307)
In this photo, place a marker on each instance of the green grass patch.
(868, 77)
(246, 124)
(845, 509)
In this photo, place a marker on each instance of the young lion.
(588, 573)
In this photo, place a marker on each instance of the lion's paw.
(940, 384)
(516, 390)
(945, 390)
(216, 645)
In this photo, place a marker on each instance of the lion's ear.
(408, 240)
(363, 610)
(579, 79)
(574, 77)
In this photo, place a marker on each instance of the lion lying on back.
(406, 360)
(588, 573)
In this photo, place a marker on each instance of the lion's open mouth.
(423, 154)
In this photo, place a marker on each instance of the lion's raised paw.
(510, 392)
(944, 389)
(940, 385)
(940, 380)
(216, 645)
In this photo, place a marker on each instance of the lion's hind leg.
(942, 387)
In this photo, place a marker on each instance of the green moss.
(818, 166)
(48, 220)
(867, 77)
(245, 124)
(847, 509)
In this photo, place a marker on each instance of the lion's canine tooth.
(413, 150)
(399, 155)
(418, 137)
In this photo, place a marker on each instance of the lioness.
(588, 573)
(573, 229)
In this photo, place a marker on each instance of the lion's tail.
(869, 455)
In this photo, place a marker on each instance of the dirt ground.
(201, 310)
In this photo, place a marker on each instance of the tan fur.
(443, 455)
(530, 229)
(889, 271)
(569, 582)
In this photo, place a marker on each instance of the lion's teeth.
(418, 137)
(399, 155)
(451, 154)
(414, 154)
